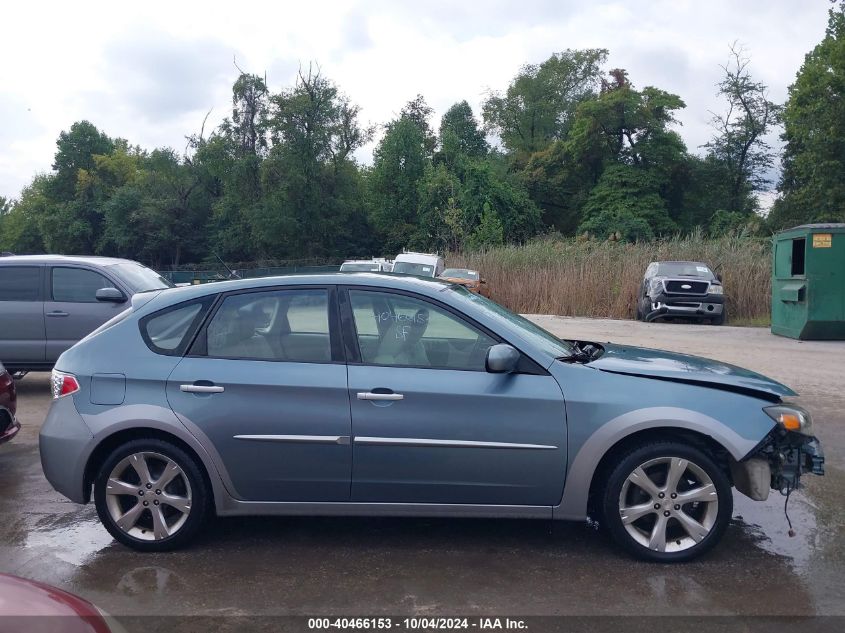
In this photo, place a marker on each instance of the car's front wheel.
(151, 495)
(667, 502)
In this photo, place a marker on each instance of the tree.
(740, 143)
(812, 185)
(460, 135)
(540, 102)
(248, 126)
(76, 149)
(419, 112)
(621, 126)
(313, 195)
(399, 165)
(626, 204)
(20, 230)
(489, 231)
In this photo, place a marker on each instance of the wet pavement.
(308, 566)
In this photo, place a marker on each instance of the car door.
(72, 310)
(21, 315)
(430, 425)
(265, 383)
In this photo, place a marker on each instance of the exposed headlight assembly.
(791, 418)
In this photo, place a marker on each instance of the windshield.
(140, 278)
(684, 269)
(529, 330)
(460, 273)
(408, 268)
(357, 268)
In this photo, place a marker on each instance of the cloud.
(149, 72)
(355, 33)
(157, 76)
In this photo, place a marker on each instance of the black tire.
(716, 517)
(640, 316)
(719, 320)
(198, 492)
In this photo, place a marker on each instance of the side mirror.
(719, 276)
(484, 281)
(501, 359)
(110, 294)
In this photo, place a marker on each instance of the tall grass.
(601, 279)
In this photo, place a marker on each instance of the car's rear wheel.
(151, 495)
(667, 502)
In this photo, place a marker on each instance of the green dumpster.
(808, 282)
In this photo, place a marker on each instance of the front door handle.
(57, 313)
(201, 388)
(369, 395)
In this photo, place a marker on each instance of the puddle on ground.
(765, 522)
(73, 541)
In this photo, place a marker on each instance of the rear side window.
(289, 325)
(77, 285)
(169, 331)
(20, 283)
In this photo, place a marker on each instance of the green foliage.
(626, 205)
(812, 185)
(399, 165)
(578, 150)
(538, 106)
(739, 144)
(460, 135)
(489, 231)
(76, 149)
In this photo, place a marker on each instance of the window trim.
(527, 365)
(41, 294)
(205, 302)
(96, 271)
(198, 347)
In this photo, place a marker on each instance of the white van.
(375, 265)
(421, 264)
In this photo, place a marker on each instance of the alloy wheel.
(148, 496)
(668, 504)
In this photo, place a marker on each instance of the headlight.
(715, 289)
(791, 418)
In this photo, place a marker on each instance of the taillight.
(63, 384)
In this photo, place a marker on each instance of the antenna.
(232, 273)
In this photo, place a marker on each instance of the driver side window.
(400, 330)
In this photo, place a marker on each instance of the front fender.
(604, 408)
(573, 504)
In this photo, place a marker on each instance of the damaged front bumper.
(692, 306)
(777, 464)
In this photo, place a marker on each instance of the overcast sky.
(149, 71)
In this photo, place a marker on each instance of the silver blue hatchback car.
(369, 394)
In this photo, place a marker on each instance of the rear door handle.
(369, 395)
(201, 388)
(57, 313)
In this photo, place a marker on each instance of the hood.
(653, 363)
(460, 280)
